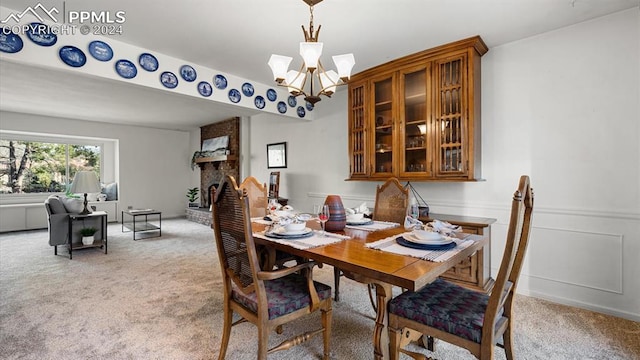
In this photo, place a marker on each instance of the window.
(44, 167)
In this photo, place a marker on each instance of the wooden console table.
(475, 271)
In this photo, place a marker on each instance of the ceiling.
(237, 37)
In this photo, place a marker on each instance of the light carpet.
(160, 298)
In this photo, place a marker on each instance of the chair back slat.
(392, 201)
(230, 227)
(511, 264)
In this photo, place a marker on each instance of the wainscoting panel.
(577, 258)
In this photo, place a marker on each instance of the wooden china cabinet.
(418, 117)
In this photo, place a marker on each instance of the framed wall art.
(277, 155)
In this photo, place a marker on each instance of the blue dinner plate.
(234, 95)
(247, 89)
(282, 107)
(309, 106)
(126, 69)
(259, 102)
(41, 34)
(72, 56)
(148, 62)
(169, 79)
(292, 101)
(220, 82)
(356, 223)
(10, 42)
(301, 111)
(402, 241)
(205, 89)
(188, 73)
(282, 236)
(272, 95)
(100, 50)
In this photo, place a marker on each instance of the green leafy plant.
(192, 194)
(90, 231)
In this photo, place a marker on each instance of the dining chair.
(470, 319)
(392, 203)
(267, 299)
(258, 202)
(257, 194)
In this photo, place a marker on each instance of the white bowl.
(355, 217)
(293, 227)
(426, 235)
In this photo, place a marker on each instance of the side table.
(142, 221)
(102, 242)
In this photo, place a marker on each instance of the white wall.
(154, 164)
(562, 107)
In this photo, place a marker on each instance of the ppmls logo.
(35, 11)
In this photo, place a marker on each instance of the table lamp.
(85, 182)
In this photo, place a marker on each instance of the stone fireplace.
(212, 173)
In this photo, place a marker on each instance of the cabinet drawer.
(465, 271)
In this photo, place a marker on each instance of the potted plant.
(87, 235)
(192, 195)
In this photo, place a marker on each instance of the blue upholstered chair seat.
(284, 295)
(444, 306)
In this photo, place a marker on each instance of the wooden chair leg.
(336, 284)
(226, 332)
(326, 324)
(508, 348)
(374, 304)
(263, 342)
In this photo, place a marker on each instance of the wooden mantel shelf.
(216, 159)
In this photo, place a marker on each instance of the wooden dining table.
(380, 268)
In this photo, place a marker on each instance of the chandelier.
(324, 82)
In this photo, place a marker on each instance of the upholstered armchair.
(58, 211)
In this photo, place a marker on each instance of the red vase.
(337, 216)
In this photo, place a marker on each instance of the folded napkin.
(390, 245)
(316, 240)
(412, 224)
(443, 228)
(376, 225)
(362, 209)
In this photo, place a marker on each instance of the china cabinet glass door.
(451, 116)
(415, 138)
(383, 90)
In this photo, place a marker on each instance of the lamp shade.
(310, 52)
(279, 65)
(344, 64)
(85, 182)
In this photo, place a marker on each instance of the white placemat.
(306, 243)
(390, 245)
(377, 225)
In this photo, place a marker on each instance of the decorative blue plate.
(292, 101)
(259, 102)
(282, 107)
(148, 62)
(205, 89)
(275, 235)
(301, 112)
(220, 82)
(41, 34)
(72, 56)
(272, 95)
(402, 241)
(126, 69)
(188, 73)
(247, 89)
(10, 43)
(169, 79)
(360, 223)
(100, 50)
(309, 106)
(234, 95)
